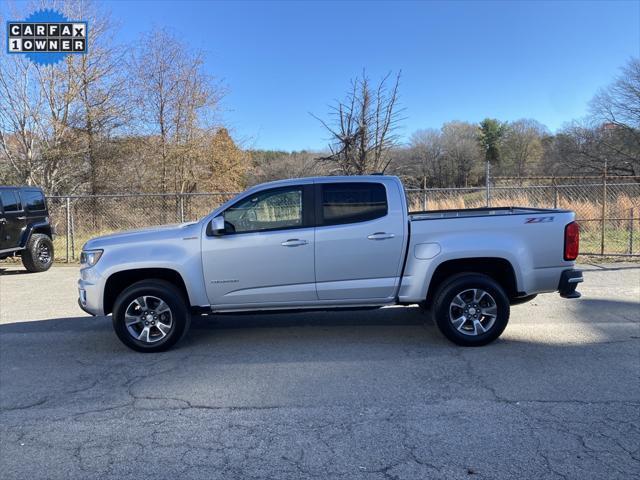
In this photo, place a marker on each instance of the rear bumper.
(569, 280)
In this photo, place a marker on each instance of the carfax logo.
(47, 36)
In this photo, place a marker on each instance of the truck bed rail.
(479, 212)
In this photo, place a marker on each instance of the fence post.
(181, 207)
(424, 193)
(604, 207)
(488, 183)
(67, 204)
(555, 193)
(73, 235)
(631, 231)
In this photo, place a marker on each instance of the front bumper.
(90, 292)
(83, 307)
(569, 280)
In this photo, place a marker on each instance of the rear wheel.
(150, 316)
(471, 309)
(38, 256)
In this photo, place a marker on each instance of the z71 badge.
(539, 220)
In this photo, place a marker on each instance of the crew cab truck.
(24, 227)
(330, 243)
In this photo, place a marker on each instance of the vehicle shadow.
(596, 267)
(288, 335)
(13, 271)
(604, 310)
(401, 325)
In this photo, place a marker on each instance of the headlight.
(90, 257)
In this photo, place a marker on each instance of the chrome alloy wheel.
(148, 319)
(473, 311)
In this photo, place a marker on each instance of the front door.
(12, 219)
(359, 241)
(266, 255)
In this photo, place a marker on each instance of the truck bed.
(479, 212)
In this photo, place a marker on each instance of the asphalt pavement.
(347, 395)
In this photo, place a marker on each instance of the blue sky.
(459, 60)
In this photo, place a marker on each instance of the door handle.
(21, 218)
(294, 242)
(380, 236)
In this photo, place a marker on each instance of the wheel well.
(117, 282)
(44, 229)
(499, 269)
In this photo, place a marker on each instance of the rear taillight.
(571, 241)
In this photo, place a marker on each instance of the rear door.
(34, 204)
(13, 219)
(359, 240)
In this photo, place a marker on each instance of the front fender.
(180, 255)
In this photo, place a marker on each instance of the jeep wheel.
(38, 256)
(150, 316)
(471, 309)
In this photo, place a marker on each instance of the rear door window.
(10, 200)
(352, 202)
(33, 200)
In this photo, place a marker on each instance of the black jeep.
(24, 227)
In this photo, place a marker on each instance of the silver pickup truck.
(330, 243)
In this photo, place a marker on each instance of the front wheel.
(471, 309)
(150, 316)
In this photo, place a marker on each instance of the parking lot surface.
(349, 395)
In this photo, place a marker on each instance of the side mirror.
(216, 226)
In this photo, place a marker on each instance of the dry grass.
(620, 208)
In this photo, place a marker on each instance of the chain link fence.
(78, 218)
(608, 209)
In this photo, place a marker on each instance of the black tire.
(462, 284)
(159, 289)
(521, 300)
(38, 255)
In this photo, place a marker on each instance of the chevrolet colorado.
(330, 243)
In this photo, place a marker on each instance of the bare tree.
(36, 107)
(619, 103)
(428, 158)
(20, 104)
(267, 165)
(363, 127)
(615, 118)
(522, 148)
(101, 95)
(176, 103)
(50, 129)
(463, 153)
(594, 149)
